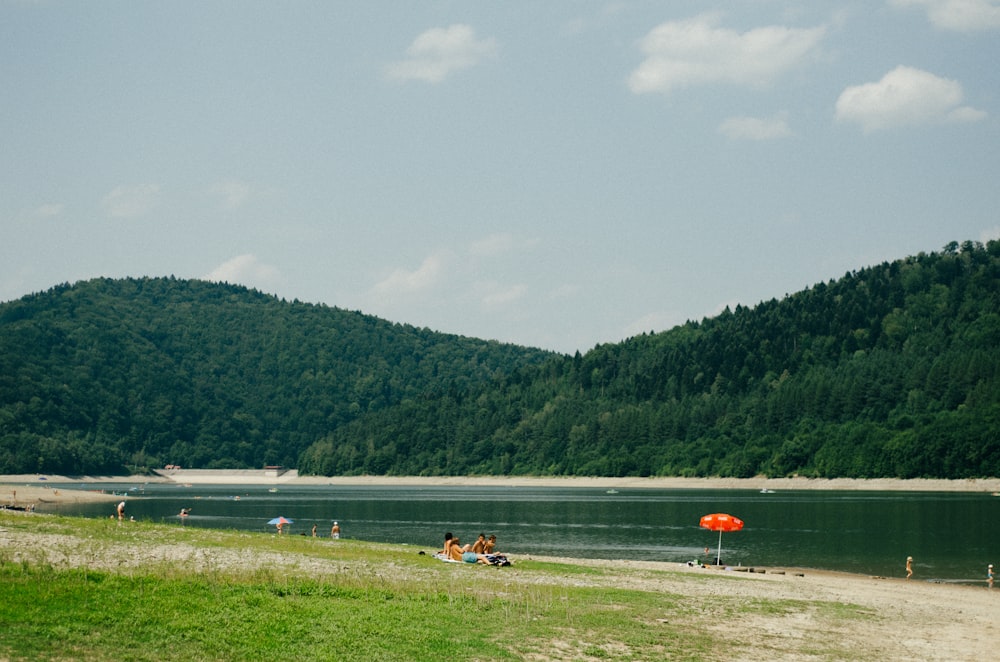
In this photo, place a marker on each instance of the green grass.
(86, 597)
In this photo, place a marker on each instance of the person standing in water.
(989, 576)
(335, 531)
(909, 567)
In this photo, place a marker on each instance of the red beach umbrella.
(721, 522)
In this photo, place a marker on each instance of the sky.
(552, 174)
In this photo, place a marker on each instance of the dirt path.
(897, 619)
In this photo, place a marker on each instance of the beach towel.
(492, 559)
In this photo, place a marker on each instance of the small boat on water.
(612, 492)
(764, 490)
(272, 490)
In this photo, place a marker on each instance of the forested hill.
(108, 375)
(892, 370)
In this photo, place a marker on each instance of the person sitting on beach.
(479, 547)
(447, 544)
(453, 549)
(473, 557)
(465, 554)
(459, 553)
(490, 545)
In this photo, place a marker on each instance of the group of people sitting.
(482, 551)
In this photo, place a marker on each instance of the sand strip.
(249, 477)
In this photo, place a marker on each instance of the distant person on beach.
(121, 511)
(909, 567)
(279, 527)
(989, 576)
(335, 531)
(314, 530)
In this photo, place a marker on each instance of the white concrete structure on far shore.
(268, 475)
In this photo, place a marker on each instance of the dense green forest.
(109, 375)
(891, 370)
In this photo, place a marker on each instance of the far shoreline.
(292, 478)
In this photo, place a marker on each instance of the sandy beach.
(40, 497)
(291, 477)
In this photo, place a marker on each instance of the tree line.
(111, 375)
(891, 370)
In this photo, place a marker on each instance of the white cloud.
(439, 52)
(401, 281)
(958, 15)
(966, 114)
(696, 52)
(904, 97)
(756, 128)
(245, 270)
(233, 192)
(50, 210)
(493, 295)
(130, 201)
(495, 244)
(500, 243)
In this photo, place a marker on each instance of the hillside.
(890, 371)
(137, 373)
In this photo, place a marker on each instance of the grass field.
(79, 589)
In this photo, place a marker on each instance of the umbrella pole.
(718, 557)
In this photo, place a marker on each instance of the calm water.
(952, 537)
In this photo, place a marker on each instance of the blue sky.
(554, 174)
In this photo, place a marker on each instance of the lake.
(952, 536)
